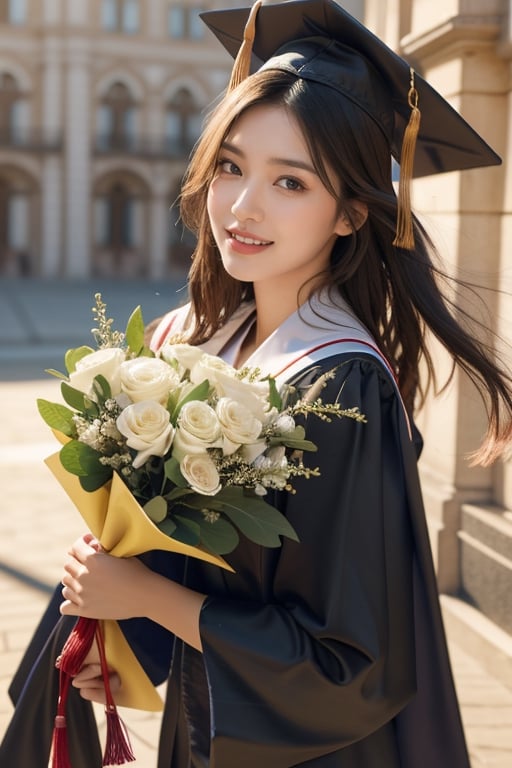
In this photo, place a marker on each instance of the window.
(120, 16)
(13, 11)
(13, 109)
(182, 122)
(184, 22)
(116, 118)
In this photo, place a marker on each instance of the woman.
(328, 653)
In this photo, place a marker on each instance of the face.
(273, 220)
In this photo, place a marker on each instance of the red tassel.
(77, 646)
(118, 749)
(60, 749)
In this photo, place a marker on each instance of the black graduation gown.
(328, 653)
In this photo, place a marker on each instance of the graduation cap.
(318, 40)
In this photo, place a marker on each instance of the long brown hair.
(397, 294)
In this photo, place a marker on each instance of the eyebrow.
(288, 161)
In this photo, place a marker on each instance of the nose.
(248, 204)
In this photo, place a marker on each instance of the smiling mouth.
(249, 240)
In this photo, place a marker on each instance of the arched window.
(120, 210)
(120, 16)
(182, 122)
(116, 118)
(16, 246)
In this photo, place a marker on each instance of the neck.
(273, 307)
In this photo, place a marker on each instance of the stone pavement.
(38, 522)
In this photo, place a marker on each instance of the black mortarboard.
(318, 40)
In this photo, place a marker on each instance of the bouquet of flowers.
(172, 452)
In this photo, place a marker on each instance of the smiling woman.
(268, 202)
(329, 651)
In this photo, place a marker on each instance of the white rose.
(184, 354)
(201, 473)
(210, 367)
(198, 429)
(105, 362)
(238, 424)
(147, 428)
(254, 395)
(148, 378)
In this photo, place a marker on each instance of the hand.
(89, 680)
(99, 586)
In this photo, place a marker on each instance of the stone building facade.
(100, 104)
(464, 48)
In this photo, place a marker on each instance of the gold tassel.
(242, 65)
(404, 225)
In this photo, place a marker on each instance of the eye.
(291, 184)
(229, 167)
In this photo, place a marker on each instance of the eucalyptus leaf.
(93, 482)
(259, 521)
(220, 537)
(57, 416)
(173, 472)
(167, 526)
(156, 509)
(82, 460)
(134, 333)
(72, 357)
(186, 531)
(290, 442)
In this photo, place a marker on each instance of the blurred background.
(101, 102)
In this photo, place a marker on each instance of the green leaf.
(57, 374)
(198, 393)
(186, 531)
(173, 473)
(256, 519)
(72, 357)
(73, 397)
(57, 416)
(134, 333)
(82, 460)
(295, 440)
(93, 482)
(219, 537)
(167, 526)
(290, 442)
(156, 509)
(101, 388)
(274, 396)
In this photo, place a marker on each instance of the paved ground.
(37, 521)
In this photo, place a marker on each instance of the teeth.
(248, 240)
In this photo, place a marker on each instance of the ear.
(352, 218)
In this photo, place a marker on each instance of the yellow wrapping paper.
(120, 524)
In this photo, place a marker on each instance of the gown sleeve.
(328, 658)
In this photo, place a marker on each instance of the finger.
(93, 542)
(88, 674)
(81, 549)
(94, 694)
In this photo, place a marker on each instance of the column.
(77, 172)
(51, 178)
(159, 223)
